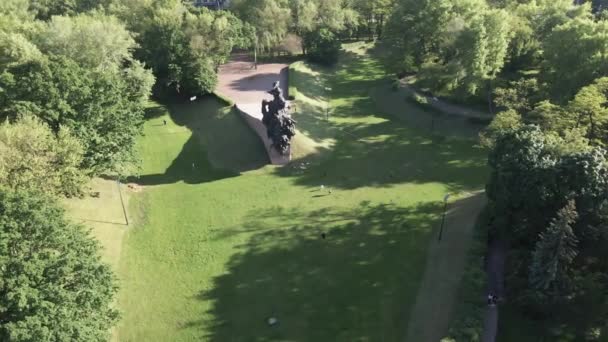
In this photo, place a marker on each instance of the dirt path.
(247, 86)
(446, 107)
(497, 251)
(446, 260)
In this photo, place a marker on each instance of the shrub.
(323, 47)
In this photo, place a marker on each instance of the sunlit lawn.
(223, 242)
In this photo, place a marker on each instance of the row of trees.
(469, 48)
(541, 65)
(78, 77)
(89, 75)
(183, 45)
(72, 98)
(550, 202)
(318, 24)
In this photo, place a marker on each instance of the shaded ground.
(241, 82)
(433, 122)
(247, 86)
(495, 268)
(443, 106)
(204, 130)
(373, 148)
(445, 265)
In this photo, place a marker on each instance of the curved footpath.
(247, 86)
(495, 264)
(446, 107)
(446, 261)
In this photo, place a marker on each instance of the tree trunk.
(490, 97)
(380, 25)
(255, 55)
(592, 126)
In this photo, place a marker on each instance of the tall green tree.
(589, 110)
(555, 250)
(566, 70)
(483, 47)
(33, 157)
(323, 46)
(271, 19)
(373, 14)
(102, 108)
(54, 286)
(185, 46)
(79, 73)
(415, 32)
(45, 9)
(95, 41)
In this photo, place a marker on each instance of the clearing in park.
(219, 241)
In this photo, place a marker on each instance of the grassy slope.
(223, 245)
(104, 215)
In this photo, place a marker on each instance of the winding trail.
(446, 107)
(495, 266)
(446, 261)
(247, 86)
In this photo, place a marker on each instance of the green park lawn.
(220, 241)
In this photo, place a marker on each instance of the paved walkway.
(495, 265)
(446, 107)
(247, 87)
(446, 260)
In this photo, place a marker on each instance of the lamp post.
(445, 207)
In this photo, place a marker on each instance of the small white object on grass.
(192, 98)
(322, 186)
(272, 321)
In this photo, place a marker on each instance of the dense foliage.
(33, 157)
(550, 204)
(53, 285)
(474, 49)
(323, 47)
(542, 66)
(312, 19)
(78, 73)
(185, 46)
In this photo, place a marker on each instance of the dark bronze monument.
(280, 127)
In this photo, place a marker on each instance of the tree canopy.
(33, 157)
(67, 76)
(54, 286)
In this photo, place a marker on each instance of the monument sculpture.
(280, 127)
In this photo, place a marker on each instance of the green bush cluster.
(323, 47)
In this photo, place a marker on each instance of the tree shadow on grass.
(386, 154)
(261, 82)
(191, 166)
(221, 145)
(376, 149)
(357, 284)
(154, 111)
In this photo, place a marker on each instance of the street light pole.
(445, 207)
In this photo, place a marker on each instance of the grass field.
(222, 241)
